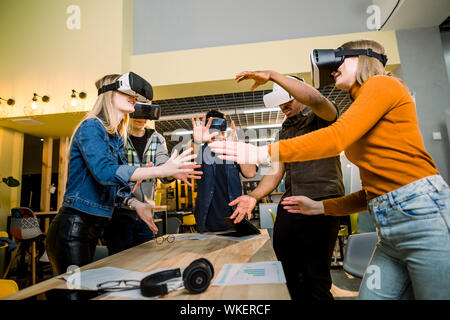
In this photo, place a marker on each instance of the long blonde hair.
(104, 105)
(367, 66)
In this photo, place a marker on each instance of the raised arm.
(301, 91)
(376, 97)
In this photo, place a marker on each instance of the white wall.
(425, 73)
(170, 25)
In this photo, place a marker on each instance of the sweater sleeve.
(375, 98)
(346, 205)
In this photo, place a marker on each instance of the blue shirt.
(219, 207)
(98, 172)
(223, 189)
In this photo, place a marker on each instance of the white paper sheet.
(250, 273)
(91, 278)
(199, 236)
(194, 236)
(240, 239)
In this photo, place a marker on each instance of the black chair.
(173, 225)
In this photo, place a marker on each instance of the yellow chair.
(4, 234)
(189, 222)
(158, 198)
(7, 287)
(353, 226)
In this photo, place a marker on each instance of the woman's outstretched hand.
(303, 205)
(240, 152)
(145, 212)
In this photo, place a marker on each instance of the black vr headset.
(146, 111)
(196, 279)
(131, 84)
(325, 61)
(218, 124)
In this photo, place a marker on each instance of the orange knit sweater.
(379, 133)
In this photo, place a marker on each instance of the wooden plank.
(46, 178)
(62, 168)
(179, 254)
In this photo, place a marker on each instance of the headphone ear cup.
(198, 275)
(208, 264)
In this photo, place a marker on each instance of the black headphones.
(196, 279)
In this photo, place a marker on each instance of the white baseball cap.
(278, 96)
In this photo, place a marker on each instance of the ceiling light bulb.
(33, 105)
(74, 102)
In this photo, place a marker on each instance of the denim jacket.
(206, 185)
(98, 171)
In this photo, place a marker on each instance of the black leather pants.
(72, 238)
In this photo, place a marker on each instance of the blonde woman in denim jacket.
(99, 179)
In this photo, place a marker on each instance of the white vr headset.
(278, 96)
(131, 84)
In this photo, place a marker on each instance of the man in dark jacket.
(220, 183)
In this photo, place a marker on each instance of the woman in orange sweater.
(407, 198)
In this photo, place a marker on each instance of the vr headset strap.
(109, 87)
(367, 52)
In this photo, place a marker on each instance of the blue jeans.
(412, 257)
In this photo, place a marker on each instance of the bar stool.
(349, 228)
(25, 229)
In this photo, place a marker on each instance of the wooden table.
(179, 254)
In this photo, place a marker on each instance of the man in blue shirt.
(220, 183)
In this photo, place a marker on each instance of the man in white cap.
(304, 244)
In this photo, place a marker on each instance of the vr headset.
(218, 124)
(131, 84)
(278, 96)
(146, 111)
(325, 61)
